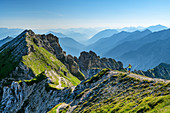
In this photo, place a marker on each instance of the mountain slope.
(111, 91)
(157, 28)
(22, 51)
(129, 46)
(5, 40)
(4, 32)
(102, 34)
(71, 46)
(59, 35)
(148, 56)
(106, 44)
(23, 59)
(80, 37)
(107, 91)
(160, 71)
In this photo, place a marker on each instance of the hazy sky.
(45, 14)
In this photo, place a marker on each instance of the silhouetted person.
(129, 68)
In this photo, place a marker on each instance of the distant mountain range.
(4, 32)
(157, 28)
(129, 47)
(68, 44)
(5, 40)
(109, 32)
(144, 53)
(71, 46)
(105, 44)
(102, 34)
(59, 35)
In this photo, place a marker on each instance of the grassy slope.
(53, 110)
(41, 60)
(133, 95)
(38, 61)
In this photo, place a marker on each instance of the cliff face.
(89, 61)
(24, 98)
(51, 44)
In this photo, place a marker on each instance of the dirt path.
(147, 78)
(142, 77)
(60, 107)
(52, 74)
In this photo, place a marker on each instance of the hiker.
(129, 68)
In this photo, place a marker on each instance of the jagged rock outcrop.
(22, 98)
(51, 44)
(89, 60)
(160, 71)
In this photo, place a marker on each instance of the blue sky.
(47, 14)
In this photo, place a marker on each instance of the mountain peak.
(146, 30)
(158, 27)
(28, 32)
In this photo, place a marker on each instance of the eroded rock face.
(51, 44)
(89, 60)
(35, 98)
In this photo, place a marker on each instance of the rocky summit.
(36, 76)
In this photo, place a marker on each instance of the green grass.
(41, 60)
(132, 96)
(36, 79)
(53, 110)
(97, 76)
(135, 96)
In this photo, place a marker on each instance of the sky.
(51, 14)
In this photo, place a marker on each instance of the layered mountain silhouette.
(105, 44)
(4, 32)
(157, 28)
(59, 35)
(71, 46)
(68, 44)
(149, 49)
(5, 40)
(102, 34)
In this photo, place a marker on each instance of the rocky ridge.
(89, 62)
